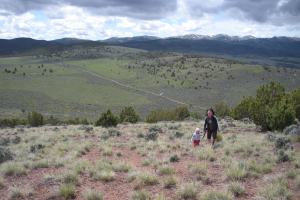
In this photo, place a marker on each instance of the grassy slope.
(68, 91)
(244, 161)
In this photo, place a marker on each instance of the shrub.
(222, 109)
(170, 182)
(277, 189)
(237, 189)
(174, 158)
(177, 114)
(213, 195)
(140, 195)
(128, 114)
(16, 193)
(188, 191)
(93, 195)
(121, 167)
(281, 115)
(40, 164)
(13, 169)
(283, 143)
(105, 175)
(71, 178)
(271, 108)
(36, 147)
(296, 102)
(165, 171)
(219, 137)
(5, 154)
(35, 119)
(153, 135)
(199, 170)
(12, 122)
(147, 179)
(107, 119)
(67, 191)
(243, 109)
(237, 171)
(282, 156)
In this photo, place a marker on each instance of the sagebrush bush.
(222, 109)
(13, 169)
(107, 119)
(140, 195)
(188, 191)
(67, 191)
(272, 108)
(128, 114)
(169, 182)
(296, 102)
(277, 189)
(237, 189)
(35, 119)
(213, 195)
(5, 154)
(177, 114)
(93, 195)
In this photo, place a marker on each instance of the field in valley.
(147, 161)
(84, 83)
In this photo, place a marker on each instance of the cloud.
(276, 12)
(92, 19)
(142, 9)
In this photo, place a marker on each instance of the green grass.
(93, 195)
(140, 195)
(277, 189)
(166, 171)
(237, 189)
(13, 169)
(188, 191)
(169, 182)
(237, 171)
(67, 191)
(147, 179)
(213, 195)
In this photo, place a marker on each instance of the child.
(196, 137)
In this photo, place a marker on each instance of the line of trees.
(272, 108)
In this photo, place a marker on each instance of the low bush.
(107, 119)
(35, 119)
(237, 189)
(277, 189)
(67, 191)
(13, 169)
(174, 158)
(166, 171)
(177, 114)
(213, 195)
(222, 109)
(5, 155)
(188, 191)
(128, 114)
(170, 182)
(93, 195)
(140, 195)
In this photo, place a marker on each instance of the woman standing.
(211, 126)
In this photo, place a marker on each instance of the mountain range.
(222, 45)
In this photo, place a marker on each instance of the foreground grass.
(69, 156)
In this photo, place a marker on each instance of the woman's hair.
(210, 109)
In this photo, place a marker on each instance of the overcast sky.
(101, 19)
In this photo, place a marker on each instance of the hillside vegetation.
(84, 82)
(128, 162)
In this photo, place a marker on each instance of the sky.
(101, 19)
